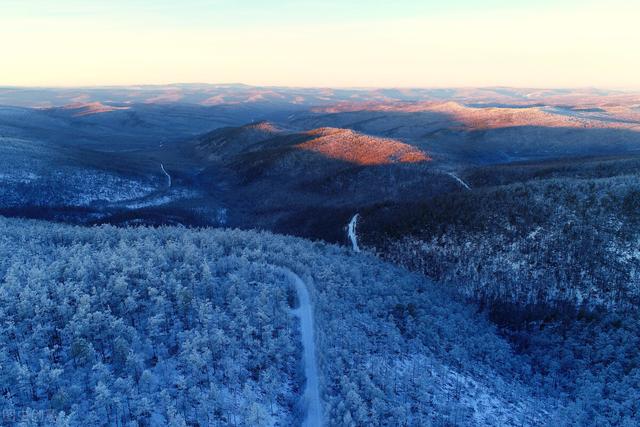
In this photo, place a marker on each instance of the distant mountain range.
(219, 94)
(270, 157)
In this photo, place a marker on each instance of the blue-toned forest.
(170, 326)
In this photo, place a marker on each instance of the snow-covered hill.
(109, 325)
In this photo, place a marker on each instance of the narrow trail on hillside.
(167, 175)
(460, 181)
(352, 232)
(304, 312)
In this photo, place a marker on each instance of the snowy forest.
(175, 326)
(551, 255)
(549, 242)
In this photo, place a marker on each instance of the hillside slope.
(168, 325)
(549, 233)
(281, 178)
(550, 251)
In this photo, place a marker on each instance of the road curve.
(352, 233)
(304, 312)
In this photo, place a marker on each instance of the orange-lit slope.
(90, 108)
(483, 118)
(357, 148)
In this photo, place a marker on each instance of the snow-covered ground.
(18, 177)
(161, 199)
(485, 399)
(33, 172)
(68, 186)
(88, 187)
(304, 312)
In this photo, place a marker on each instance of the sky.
(327, 43)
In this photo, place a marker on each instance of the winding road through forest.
(304, 312)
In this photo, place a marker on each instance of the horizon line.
(339, 87)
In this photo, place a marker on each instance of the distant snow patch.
(23, 178)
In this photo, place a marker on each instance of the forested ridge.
(175, 326)
(550, 252)
(550, 241)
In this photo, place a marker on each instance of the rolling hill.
(111, 325)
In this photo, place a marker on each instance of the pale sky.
(353, 43)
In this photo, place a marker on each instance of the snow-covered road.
(304, 312)
(352, 232)
(460, 181)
